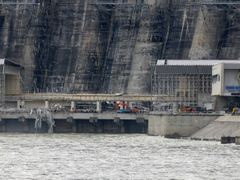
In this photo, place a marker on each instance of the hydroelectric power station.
(159, 67)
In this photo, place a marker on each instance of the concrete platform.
(83, 116)
(179, 125)
(228, 126)
(76, 123)
(168, 125)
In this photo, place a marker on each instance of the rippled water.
(99, 156)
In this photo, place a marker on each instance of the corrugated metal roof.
(184, 70)
(8, 62)
(180, 62)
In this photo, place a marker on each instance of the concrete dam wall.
(111, 46)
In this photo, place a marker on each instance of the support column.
(74, 126)
(209, 27)
(46, 104)
(175, 107)
(20, 104)
(24, 124)
(99, 107)
(2, 125)
(122, 128)
(23, 103)
(73, 106)
(130, 104)
(237, 140)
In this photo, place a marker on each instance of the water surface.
(100, 156)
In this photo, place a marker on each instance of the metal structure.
(184, 87)
(187, 83)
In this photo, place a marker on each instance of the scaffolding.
(188, 85)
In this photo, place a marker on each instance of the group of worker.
(121, 105)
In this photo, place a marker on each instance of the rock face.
(111, 46)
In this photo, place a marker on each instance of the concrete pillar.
(46, 104)
(73, 106)
(24, 124)
(122, 128)
(120, 124)
(208, 32)
(72, 121)
(74, 126)
(175, 108)
(23, 103)
(99, 107)
(19, 104)
(237, 140)
(99, 127)
(130, 104)
(2, 125)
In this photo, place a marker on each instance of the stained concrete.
(228, 126)
(177, 125)
(71, 46)
(75, 123)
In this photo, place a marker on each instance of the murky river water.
(92, 156)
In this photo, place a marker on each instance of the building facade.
(226, 85)
(10, 76)
(188, 81)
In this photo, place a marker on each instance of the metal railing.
(90, 97)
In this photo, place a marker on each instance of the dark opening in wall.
(2, 19)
